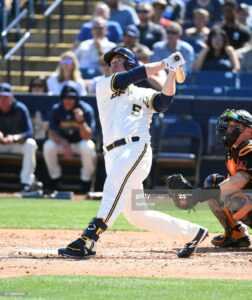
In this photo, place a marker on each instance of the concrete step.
(34, 63)
(15, 76)
(79, 7)
(71, 21)
(39, 35)
(38, 49)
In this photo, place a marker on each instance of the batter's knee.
(49, 147)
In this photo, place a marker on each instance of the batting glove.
(174, 61)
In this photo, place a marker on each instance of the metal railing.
(8, 57)
(4, 39)
(47, 15)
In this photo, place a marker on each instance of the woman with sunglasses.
(68, 69)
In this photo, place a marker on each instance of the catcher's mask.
(240, 116)
(131, 60)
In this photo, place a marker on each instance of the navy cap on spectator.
(70, 90)
(5, 89)
(132, 31)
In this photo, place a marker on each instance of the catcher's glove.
(181, 191)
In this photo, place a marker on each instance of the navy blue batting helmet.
(131, 60)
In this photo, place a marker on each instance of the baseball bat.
(180, 74)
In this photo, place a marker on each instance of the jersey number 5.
(136, 109)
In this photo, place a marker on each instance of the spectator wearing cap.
(38, 85)
(16, 136)
(90, 52)
(159, 7)
(123, 14)
(150, 33)
(114, 29)
(68, 69)
(172, 44)
(131, 39)
(237, 33)
(212, 6)
(71, 128)
(198, 33)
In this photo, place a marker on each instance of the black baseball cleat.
(78, 249)
(190, 247)
(223, 241)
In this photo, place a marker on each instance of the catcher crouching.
(228, 197)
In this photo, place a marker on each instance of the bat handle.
(180, 75)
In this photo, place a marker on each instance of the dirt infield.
(138, 254)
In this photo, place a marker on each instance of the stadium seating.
(179, 147)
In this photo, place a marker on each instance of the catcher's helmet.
(131, 60)
(240, 116)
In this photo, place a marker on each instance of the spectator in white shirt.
(90, 51)
(68, 69)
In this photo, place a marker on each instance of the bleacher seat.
(211, 78)
(179, 147)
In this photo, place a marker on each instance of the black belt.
(121, 142)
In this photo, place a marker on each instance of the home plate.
(36, 252)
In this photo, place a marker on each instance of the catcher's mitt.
(181, 191)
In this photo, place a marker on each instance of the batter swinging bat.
(180, 74)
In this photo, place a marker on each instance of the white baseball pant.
(28, 150)
(86, 150)
(127, 167)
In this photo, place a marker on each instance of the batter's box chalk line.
(35, 252)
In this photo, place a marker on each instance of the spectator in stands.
(89, 52)
(246, 58)
(159, 7)
(150, 33)
(114, 29)
(174, 11)
(243, 15)
(16, 136)
(212, 6)
(237, 33)
(197, 35)
(174, 43)
(219, 55)
(131, 39)
(68, 69)
(38, 85)
(122, 13)
(71, 127)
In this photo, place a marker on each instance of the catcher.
(228, 197)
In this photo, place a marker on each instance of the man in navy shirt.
(71, 127)
(16, 135)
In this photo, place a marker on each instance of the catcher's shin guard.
(190, 247)
(83, 247)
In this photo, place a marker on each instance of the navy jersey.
(16, 121)
(64, 124)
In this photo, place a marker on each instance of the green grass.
(96, 288)
(63, 214)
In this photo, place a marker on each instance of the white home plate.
(36, 252)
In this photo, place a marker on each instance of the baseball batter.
(125, 112)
